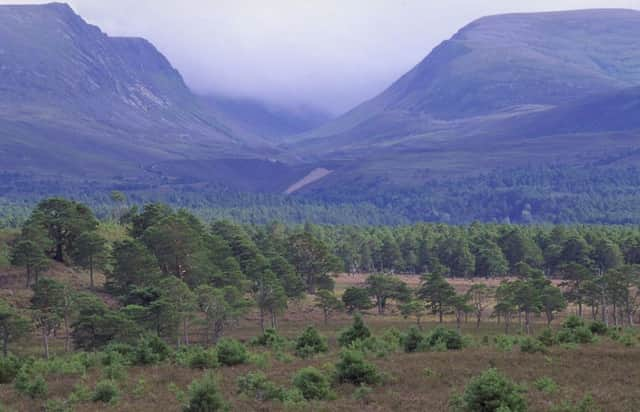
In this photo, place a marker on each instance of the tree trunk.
(28, 275)
(45, 342)
(526, 323)
(185, 331)
(5, 344)
(67, 333)
(262, 320)
(218, 327)
(91, 272)
(311, 285)
(580, 308)
(479, 316)
(440, 315)
(58, 256)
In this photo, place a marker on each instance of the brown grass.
(607, 370)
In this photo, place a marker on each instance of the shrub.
(260, 360)
(505, 343)
(573, 322)
(357, 331)
(372, 344)
(310, 343)
(312, 383)
(56, 405)
(412, 340)
(578, 334)
(492, 391)
(105, 391)
(119, 353)
(530, 345)
(565, 336)
(140, 388)
(37, 388)
(204, 396)
(353, 368)
(614, 332)
(197, 357)
(150, 350)
(9, 367)
(583, 335)
(447, 338)
(256, 385)
(362, 393)
(546, 385)
(628, 339)
(231, 352)
(29, 383)
(392, 338)
(80, 393)
(547, 337)
(269, 338)
(598, 328)
(292, 396)
(115, 372)
(587, 404)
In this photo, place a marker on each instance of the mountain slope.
(77, 102)
(495, 68)
(269, 121)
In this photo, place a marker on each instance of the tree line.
(172, 270)
(529, 195)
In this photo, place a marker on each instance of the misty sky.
(331, 54)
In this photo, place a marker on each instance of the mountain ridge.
(115, 101)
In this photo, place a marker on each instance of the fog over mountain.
(287, 52)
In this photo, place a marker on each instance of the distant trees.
(48, 304)
(13, 325)
(356, 299)
(90, 253)
(383, 287)
(133, 265)
(437, 293)
(311, 259)
(478, 296)
(29, 255)
(415, 308)
(220, 306)
(170, 268)
(63, 221)
(327, 301)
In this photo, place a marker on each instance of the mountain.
(272, 122)
(521, 117)
(615, 111)
(446, 113)
(76, 102)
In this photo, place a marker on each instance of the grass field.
(424, 381)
